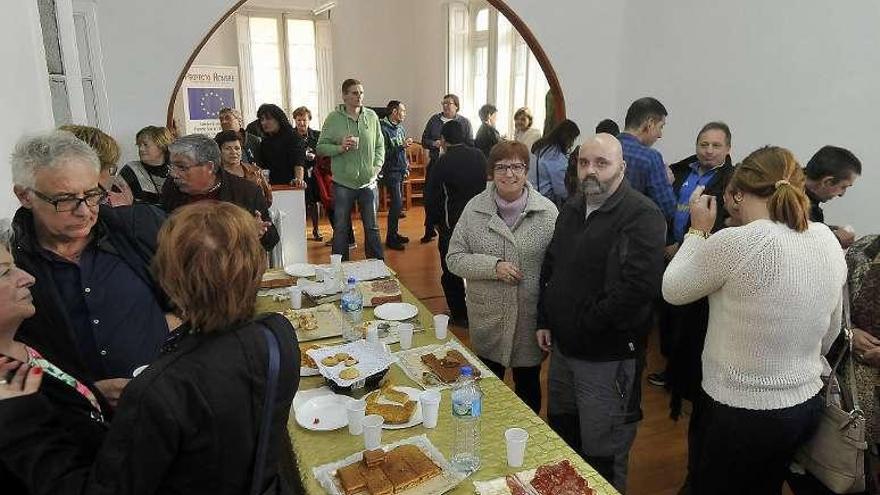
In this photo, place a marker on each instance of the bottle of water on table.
(352, 306)
(467, 407)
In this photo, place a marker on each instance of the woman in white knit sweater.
(774, 286)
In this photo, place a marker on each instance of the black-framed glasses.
(68, 203)
(516, 168)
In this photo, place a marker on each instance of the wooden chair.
(414, 185)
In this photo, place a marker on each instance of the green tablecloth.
(502, 409)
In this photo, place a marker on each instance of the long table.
(502, 409)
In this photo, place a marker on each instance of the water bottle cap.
(466, 371)
(352, 280)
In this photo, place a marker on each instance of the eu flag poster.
(205, 103)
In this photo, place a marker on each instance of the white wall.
(779, 72)
(24, 89)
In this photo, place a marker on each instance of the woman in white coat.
(497, 247)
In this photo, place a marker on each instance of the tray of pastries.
(307, 365)
(398, 406)
(439, 365)
(380, 291)
(320, 322)
(408, 467)
(560, 478)
(274, 278)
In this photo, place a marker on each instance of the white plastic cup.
(373, 334)
(355, 410)
(355, 141)
(405, 331)
(335, 261)
(372, 431)
(441, 324)
(296, 297)
(515, 439)
(430, 400)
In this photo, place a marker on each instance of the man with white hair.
(100, 312)
(197, 175)
(601, 273)
(232, 120)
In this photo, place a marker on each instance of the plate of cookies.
(398, 406)
(352, 363)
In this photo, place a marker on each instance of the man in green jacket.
(352, 138)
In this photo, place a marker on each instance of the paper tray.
(442, 483)
(372, 359)
(411, 364)
(331, 322)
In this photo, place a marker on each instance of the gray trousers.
(591, 408)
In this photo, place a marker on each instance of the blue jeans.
(394, 184)
(366, 198)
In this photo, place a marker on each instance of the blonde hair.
(159, 135)
(210, 263)
(774, 173)
(104, 145)
(524, 111)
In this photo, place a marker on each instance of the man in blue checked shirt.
(645, 169)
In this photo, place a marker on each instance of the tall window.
(498, 66)
(283, 66)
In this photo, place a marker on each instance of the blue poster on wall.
(205, 103)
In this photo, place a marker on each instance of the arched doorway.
(540, 56)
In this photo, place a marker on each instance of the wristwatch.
(698, 232)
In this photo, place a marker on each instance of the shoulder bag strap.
(268, 401)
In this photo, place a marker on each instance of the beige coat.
(502, 317)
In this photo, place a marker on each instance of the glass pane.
(482, 21)
(49, 23)
(502, 77)
(60, 101)
(302, 66)
(266, 60)
(91, 102)
(480, 72)
(537, 92)
(82, 44)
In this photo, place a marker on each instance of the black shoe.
(402, 214)
(395, 245)
(657, 379)
(402, 239)
(426, 239)
(316, 236)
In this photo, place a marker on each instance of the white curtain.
(457, 49)
(245, 72)
(324, 60)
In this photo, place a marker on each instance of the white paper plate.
(416, 418)
(395, 311)
(323, 413)
(300, 270)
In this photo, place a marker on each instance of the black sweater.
(601, 275)
(458, 176)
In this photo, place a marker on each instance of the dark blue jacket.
(395, 149)
(432, 133)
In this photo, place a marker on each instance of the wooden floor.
(659, 455)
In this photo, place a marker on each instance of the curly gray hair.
(198, 147)
(48, 150)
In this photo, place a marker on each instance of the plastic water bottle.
(352, 305)
(467, 407)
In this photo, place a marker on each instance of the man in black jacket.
(100, 313)
(601, 273)
(198, 176)
(459, 175)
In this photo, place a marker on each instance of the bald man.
(601, 274)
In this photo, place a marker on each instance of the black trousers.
(453, 285)
(747, 451)
(526, 382)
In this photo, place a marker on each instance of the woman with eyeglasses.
(498, 246)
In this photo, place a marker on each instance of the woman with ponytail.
(774, 287)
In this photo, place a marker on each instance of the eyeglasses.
(516, 168)
(65, 204)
